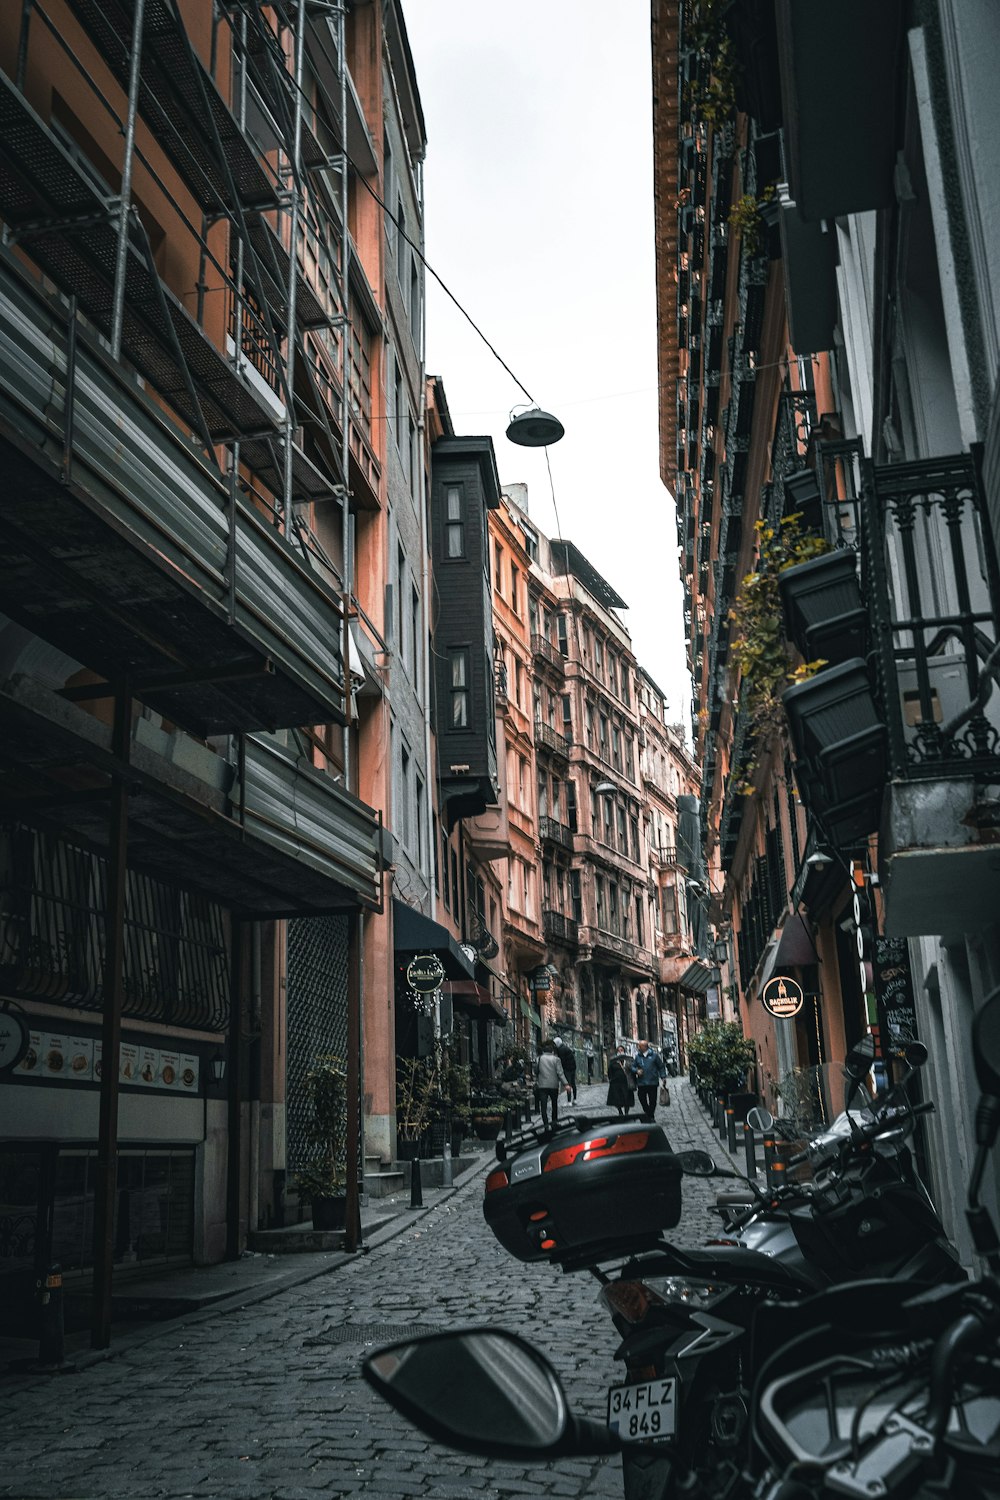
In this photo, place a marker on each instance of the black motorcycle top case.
(585, 1195)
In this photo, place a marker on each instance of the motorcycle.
(690, 1320)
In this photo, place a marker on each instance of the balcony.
(256, 830)
(543, 650)
(933, 588)
(611, 947)
(552, 832)
(125, 548)
(550, 739)
(666, 854)
(560, 929)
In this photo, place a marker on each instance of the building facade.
(837, 289)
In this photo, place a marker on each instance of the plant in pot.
(486, 1113)
(323, 1178)
(456, 1086)
(722, 1056)
(416, 1091)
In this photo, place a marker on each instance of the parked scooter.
(867, 1390)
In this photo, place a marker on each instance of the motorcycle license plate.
(645, 1413)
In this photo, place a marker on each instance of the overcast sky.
(539, 217)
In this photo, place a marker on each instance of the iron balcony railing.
(667, 854)
(933, 588)
(553, 832)
(543, 648)
(559, 929)
(551, 739)
(613, 942)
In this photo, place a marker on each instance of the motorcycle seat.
(735, 1263)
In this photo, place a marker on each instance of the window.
(543, 796)
(398, 406)
(404, 796)
(530, 543)
(668, 907)
(616, 747)
(459, 660)
(608, 820)
(515, 582)
(400, 242)
(598, 655)
(576, 895)
(414, 301)
(567, 715)
(421, 812)
(359, 375)
(622, 837)
(635, 838)
(571, 806)
(626, 691)
(614, 910)
(400, 575)
(455, 895)
(454, 521)
(518, 682)
(612, 673)
(588, 714)
(602, 737)
(533, 616)
(414, 634)
(498, 567)
(522, 782)
(526, 878)
(561, 635)
(638, 920)
(602, 914)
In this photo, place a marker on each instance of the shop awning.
(792, 947)
(413, 932)
(530, 1012)
(474, 998)
(699, 976)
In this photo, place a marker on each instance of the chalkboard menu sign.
(894, 991)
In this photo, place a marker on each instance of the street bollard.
(51, 1326)
(730, 1127)
(750, 1148)
(446, 1177)
(416, 1186)
(769, 1160)
(508, 1125)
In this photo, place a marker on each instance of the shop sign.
(425, 973)
(782, 997)
(894, 989)
(13, 1040)
(541, 981)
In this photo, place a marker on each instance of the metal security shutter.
(317, 1012)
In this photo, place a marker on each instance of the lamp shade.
(535, 429)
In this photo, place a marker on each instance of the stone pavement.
(263, 1400)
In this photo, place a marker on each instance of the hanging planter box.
(840, 750)
(823, 610)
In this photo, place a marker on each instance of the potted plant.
(323, 1178)
(487, 1114)
(416, 1087)
(722, 1056)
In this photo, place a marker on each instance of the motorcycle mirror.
(696, 1163)
(859, 1060)
(483, 1390)
(760, 1119)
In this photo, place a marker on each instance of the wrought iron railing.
(542, 647)
(558, 928)
(550, 738)
(933, 586)
(551, 831)
(52, 935)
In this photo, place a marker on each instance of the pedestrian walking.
(649, 1072)
(620, 1093)
(549, 1078)
(588, 1052)
(568, 1059)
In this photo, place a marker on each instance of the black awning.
(415, 933)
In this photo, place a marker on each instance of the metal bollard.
(416, 1186)
(731, 1127)
(769, 1159)
(51, 1325)
(750, 1149)
(446, 1176)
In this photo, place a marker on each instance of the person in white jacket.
(549, 1079)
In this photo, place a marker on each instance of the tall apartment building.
(214, 589)
(688, 978)
(844, 257)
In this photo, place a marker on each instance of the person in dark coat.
(620, 1093)
(567, 1057)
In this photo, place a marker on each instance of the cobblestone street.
(267, 1402)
